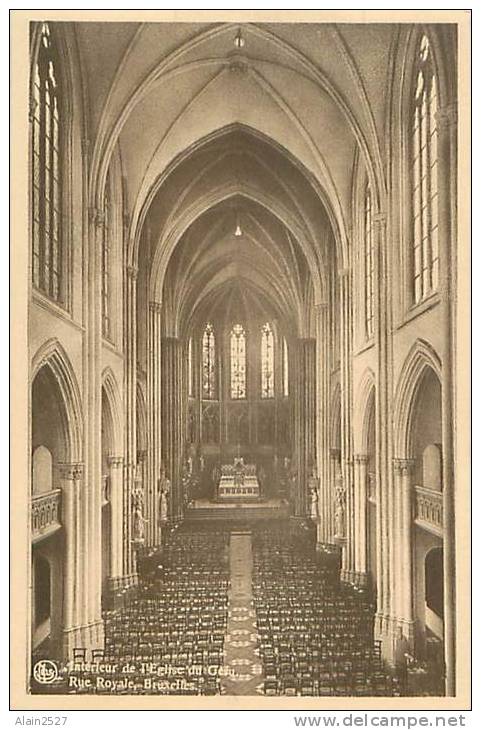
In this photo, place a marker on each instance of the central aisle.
(242, 664)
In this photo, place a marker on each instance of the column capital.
(403, 466)
(155, 307)
(447, 116)
(97, 217)
(321, 307)
(115, 461)
(70, 471)
(361, 458)
(379, 219)
(132, 272)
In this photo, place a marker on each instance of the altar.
(238, 481)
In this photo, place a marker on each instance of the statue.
(164, 491)
(340, 509)
(313, 486)
(138, 522)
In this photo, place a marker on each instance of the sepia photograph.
(240, 359)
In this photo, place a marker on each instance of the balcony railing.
(428, 509)
(45, 514)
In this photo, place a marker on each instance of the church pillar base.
(396, 637)
(88, 638)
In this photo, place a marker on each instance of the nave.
(242, 306)
(187, 631)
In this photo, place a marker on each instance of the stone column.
(345, 279)
(323, 422)
(155, 415)
(305, 421)
(447, 236)
(403, 598)
(385, 538)
(172, 431)
(116, 522)
(360, 525)
(130, 403)
(335, 470)
(71, 476)
(90, 585)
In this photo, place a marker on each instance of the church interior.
(241, 342)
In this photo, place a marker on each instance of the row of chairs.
(316, 635)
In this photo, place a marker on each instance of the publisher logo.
(45, 671)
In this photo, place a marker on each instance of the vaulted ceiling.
(210, 131)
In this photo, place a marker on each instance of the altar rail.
(428, 509)
(45, 514)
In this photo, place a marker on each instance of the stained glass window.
(285, 368)
(106, 263)
(368, 264)
(46, 192)
(208, 363)
(238, 362)
(267, 362)
(424, 167)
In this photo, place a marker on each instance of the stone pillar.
(403, 597)
(172, 431)
(447, 237)
(347, 464)
(385, 538)
(155, 415)
(305, 421)
(71, 476)
(116, 521)
(360, 523)
(323, 422)
(130, 403)
(90, 584)
(335, 471)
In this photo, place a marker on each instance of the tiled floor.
(241, 664)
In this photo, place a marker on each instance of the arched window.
(424, 170)
(47, 125)
(285, 368)
(267, 362)
(208, 363)
(368, 264)
(106, 265)
(190, 369)
(238, 362)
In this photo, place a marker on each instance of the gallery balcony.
(428, 510)
(45, 514)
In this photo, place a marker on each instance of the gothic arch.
(296, 62)
(421, 357)
(53, 356)
(335, 417)
(362, 413)
(113, 423)
(141, 418)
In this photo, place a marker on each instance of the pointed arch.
(335, 417)
(53, 356)
(362, 412)
(421, 357)
(114, 421)
(141, 418)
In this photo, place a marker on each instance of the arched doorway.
(106, 520)
(426, 450)
(50, 447)
(371, 507)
